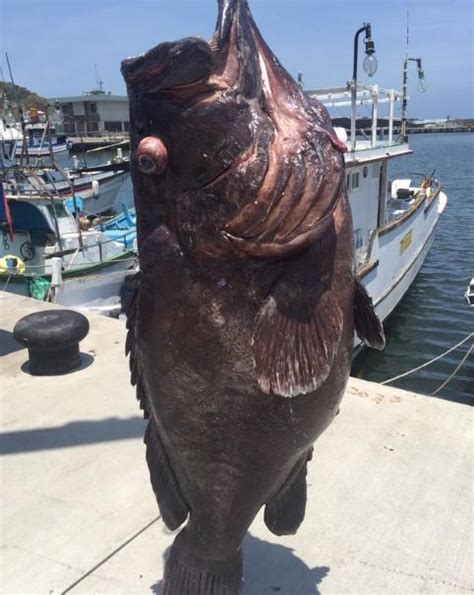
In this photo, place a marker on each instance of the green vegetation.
(27, 97)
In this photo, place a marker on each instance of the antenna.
(408, 28)
(403, 131)
(97, 78)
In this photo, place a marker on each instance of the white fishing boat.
(97, 187)
(38, 135)
(49, 254)
(39, 143)
(394, 219)
(9, 137)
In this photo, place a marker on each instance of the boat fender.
(95, 188)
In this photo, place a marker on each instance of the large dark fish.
(241, 329)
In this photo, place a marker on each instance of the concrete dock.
(389, 503)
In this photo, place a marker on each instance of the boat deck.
(390, 488)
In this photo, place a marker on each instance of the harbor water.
(434, 315)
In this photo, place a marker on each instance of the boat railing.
(356, 95)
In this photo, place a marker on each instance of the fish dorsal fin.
(366, 321)
(297, 335)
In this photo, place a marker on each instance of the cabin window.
(93, 108)
(58, 209)
(375, 170)
(355, 180)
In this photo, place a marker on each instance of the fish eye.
(146, 164)
(152, 156)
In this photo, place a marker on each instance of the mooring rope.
(435, 359)
(455, 371)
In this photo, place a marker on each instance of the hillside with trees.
(28, 98)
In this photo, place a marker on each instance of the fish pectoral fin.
(367, 323)
(173, 507)
(297, 334)
(285, 511)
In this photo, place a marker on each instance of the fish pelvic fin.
(285, 512)
(297, 335)
(367, 323)
(186, 574)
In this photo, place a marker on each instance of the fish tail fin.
(186, 574)
(285, 512)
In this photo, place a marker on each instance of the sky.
(54, 45)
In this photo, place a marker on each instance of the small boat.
(469, 295)
(97, 186)
(40, 136)
(49, 254)
(39, 146)
(121, 228)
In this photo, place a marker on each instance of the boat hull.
(398, 257)
(42, 151)
(96, 290)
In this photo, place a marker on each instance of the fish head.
(226, 149)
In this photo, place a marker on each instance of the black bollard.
(52, 339)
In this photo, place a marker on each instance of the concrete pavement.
(390, 488)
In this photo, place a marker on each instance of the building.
(94, 111)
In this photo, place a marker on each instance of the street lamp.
(370, 68)
(422, 86)
(370, 61)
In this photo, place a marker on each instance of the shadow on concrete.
(86, 361)
(272, 568)
(73, 434)
(7, 343)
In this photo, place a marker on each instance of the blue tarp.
(25, 217)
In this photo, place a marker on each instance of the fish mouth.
(170, 65)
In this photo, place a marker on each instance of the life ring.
(10, 263)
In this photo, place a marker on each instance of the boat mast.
(403, 132)
(24, 144)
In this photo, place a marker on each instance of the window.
(93, 108)
(67, 109)
(113, 126)
(126, 126)
(375, 170)
(355, 180)
(348, 182)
